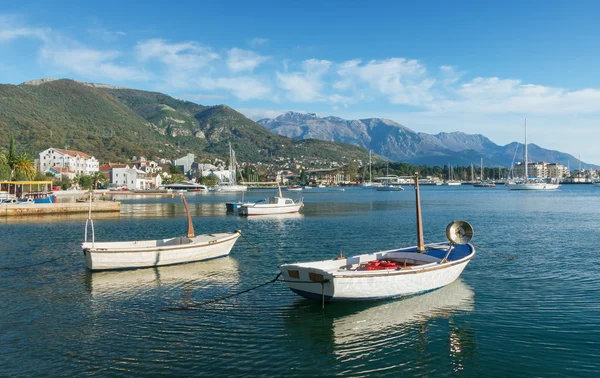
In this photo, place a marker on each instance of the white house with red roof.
(75, 161)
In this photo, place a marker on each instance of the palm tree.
(24, 164)
(98, 178)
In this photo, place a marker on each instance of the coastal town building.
(129, 177)
(541, 170)
(60, 172)
(185, 163)
(148, 166)
(75, 161)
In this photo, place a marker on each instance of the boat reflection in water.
(389, 318)
(391, 335)
(276, 217)
(162, 210)
(220, 273)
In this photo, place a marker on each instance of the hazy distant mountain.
(396, 142)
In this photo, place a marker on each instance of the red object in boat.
(381, 265)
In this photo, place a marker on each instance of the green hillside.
(116, 124)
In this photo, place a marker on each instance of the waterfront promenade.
(23, 209)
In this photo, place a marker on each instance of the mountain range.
(115, 124)
(397, 142)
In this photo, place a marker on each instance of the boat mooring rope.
(249, 242)
(495, 254)
(36, 264)
(200, 304)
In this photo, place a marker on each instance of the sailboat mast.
(526, 174)
(231, 167)
(420, 239)
(472, 174)
(369, 165)
(481, 169)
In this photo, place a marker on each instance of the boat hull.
(152, 253)
(267, 210)
(389, 188)
(532, 186)
(232, 188)
(337, 285)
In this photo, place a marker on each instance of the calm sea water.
(536, 315)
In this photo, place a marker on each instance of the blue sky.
(433, 66)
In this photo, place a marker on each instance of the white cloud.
(244, 88)
(90, 63)
(257, 42)
(9, 34)
(400, 80)
(239, 60)
(495, 95)
(306, 85)
(177, 56)
(256, 114)
(199, 97)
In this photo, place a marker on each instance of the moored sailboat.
(232, 185)
(527, 183)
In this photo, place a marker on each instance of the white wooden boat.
(153, 253)
(386, 274)
(274, 205)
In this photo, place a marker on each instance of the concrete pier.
(12, 210)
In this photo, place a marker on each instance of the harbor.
(118, 322)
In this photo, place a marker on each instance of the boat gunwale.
(387, 273)
(230, 235)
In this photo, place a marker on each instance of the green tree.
(11, 158)
(352, 171)
(98, 178)
(24, 165)
(302, 176)
(84, 181)
(175, 170)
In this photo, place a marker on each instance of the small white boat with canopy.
(386, 274)
(153, 253)
(273, 205)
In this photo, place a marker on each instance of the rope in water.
(36, 264)
(195, 306)
(249, 242)
(495, 254)
(200, 304)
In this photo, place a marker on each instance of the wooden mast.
(420, 240)
(190, 231)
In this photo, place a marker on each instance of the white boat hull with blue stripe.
(348, 279)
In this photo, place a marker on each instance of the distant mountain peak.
(394, 141)
(51, 79)
(296, 114)
(39, 81)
